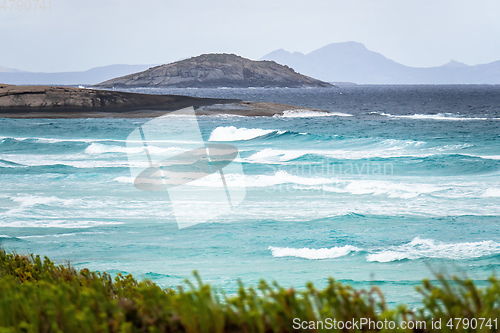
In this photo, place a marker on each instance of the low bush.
(38, 296)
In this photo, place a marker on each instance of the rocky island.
(66, 102)
(208, 70)
(216, 70)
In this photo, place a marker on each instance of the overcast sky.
(77, 35)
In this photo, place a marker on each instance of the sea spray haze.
(396, 183)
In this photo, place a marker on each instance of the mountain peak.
(344, 47)
(455, 64)
(351, 44)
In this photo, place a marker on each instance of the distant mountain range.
(337, 62)
(353, 62)
(89, 77)
(216, 70)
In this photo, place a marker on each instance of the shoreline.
(65, 102)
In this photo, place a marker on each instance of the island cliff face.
(216, 70)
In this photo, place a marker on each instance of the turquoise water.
(397, 183)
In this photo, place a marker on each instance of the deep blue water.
(399, 182)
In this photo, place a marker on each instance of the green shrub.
(39, 296)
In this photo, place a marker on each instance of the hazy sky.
(78, 35)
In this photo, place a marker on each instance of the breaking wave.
(33, 200)
(418, 248)
(99, 148)
(437, 116)
(389, 148)
(231, 133)
(307, 253)
(428, 248)
(308, 113)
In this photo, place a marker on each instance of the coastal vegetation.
(36, 295)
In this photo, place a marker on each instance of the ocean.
(396, 184)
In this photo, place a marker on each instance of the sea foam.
(99, 148)
(384, 149)
(307, 253)
(493, 192)
(428, 248)
(33, 200)
(231, 133)
(437, 116)
(303, 113)
(389, 188)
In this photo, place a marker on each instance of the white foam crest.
(126, 180)
(94, 164)
(385, 149)
(283, 177)
(307, 253)
(212, 180)
(99, 148)
(406, 189)
(304, 113)
(399, 189)
(437, 116)
(391, 189)
(270, 155)
(391, 146)
(493, 192)
(280, 177)
(57, 224)
(231, 133)
(62, 235)
(51, 140)
(395, 144)
(241, 180)
(33, 200)
(486, 157)
(429, 248)
(54, 140)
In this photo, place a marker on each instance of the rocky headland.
(67, 102)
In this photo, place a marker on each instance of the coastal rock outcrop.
(67, 102)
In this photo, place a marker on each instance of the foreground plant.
(38, 296)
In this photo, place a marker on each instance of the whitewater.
(392, 184)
